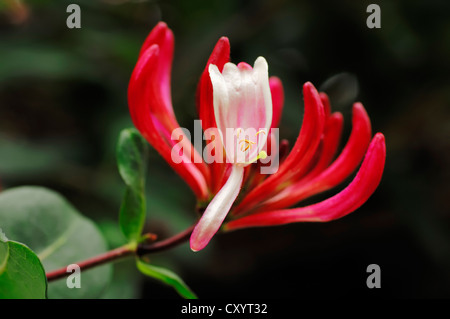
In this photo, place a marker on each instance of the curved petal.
(276, 89)
(139, 109)
(159, 85)
(257, 172)
(300, 155)
(217, 210)
(310, 134)
(205, 108)
(340, 169)
(147, 109)
(348, 200)
(162, 36)
(330, 142)
(326, 104)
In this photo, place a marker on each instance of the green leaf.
(132, 214)
(132, 153)
(168, 277)
(21, 273)
(58, 234)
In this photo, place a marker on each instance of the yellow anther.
(247, 141)
(247, 144)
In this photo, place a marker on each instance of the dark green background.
(63, 102)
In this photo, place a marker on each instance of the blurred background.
(63, 102)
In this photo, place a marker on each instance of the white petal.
(232, 75)
(220, 97)
(260, 69)
(218, 82)
(261, 77)
(242, 100)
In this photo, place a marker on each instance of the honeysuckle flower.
(247, 103)
(243, 106)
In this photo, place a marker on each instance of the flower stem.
(124, 251)
(104, 258)
(165, 244)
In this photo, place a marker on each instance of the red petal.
(155, 36)
(205, 108)
(326, 150)
(163, 37)
(151, 109)
(244, 66)
(276, 89)
(284, 150)
(253, 175)
(219, 56)
(343, 203)
(139, 109)
(326, 104)
(330, 143)
(159, 83)
(342, 167)
(300, 156)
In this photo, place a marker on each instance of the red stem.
(144, 249)
(124, 251)
(92, 262)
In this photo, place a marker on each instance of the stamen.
(239, 130)
(247, 144)
(261, 155)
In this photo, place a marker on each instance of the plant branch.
(165, 244)
(124, 251)
(115, 254)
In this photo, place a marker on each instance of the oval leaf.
(132, 214)
(168, 277)
(132, 153)
(21, 273)
(58, 234)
